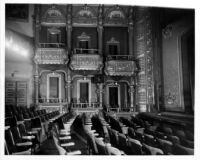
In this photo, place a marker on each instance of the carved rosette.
(120, 68)
(51, 56)
(86, 62)
(144, 54)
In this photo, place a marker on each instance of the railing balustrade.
(52, 100)
(51, 45)
(86, 51)
(120, 57)
(85, 105)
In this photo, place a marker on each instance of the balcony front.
(86, 60)
(120, 65)
(51, 53)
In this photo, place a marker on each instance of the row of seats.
(24, 130)
(156, 137)
(61, 134)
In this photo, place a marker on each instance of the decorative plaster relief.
(51, 56)
(86, 62)
(120, 68)
(167, 32)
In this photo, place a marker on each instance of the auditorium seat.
(12, 147)
(92, 147)
(131, 132)
(149, 150)
(189, 135)
(16, 152)
(63, 151)
(113, 151)
(115, 138)
(101, 147)
(122, 144)
(135, 147)
(181, 150)
(165, 145)
(173, 139)
(34, 138)
(150, 140)
(167, 130)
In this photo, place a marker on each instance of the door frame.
(48, 83)
(108, 94)
(89, 89)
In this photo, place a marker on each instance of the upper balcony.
(120, 65)
(86, 59)
(51, 53)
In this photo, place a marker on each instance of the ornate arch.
(85, 15)
(53, 16)
(115, 15)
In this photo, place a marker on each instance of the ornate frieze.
(120, 68)
(53, 16)
(84, 15)
(51, 56)
(86, 62)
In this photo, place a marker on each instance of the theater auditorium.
(98, 79)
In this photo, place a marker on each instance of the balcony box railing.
(52, 100)
(51, 53)
(85, 105)
(86, 59)
(120, 65)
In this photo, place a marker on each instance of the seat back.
(122, 142)
(16, 134)
(101, 147)
(149, 150)
(91, 143)
(115, 138)
(149, 140)
(60, 149)
(131, 132)
(135, 147)
(9, 141)
(113, 151)
(165, 145)
(22, 129)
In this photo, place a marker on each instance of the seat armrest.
(27, 152)
(39, 128)
(77, 152)
(65, 138)
(122, 152)
(24, 144)
(96, 134)
(32, 132)
(67, 144)
(28, 137)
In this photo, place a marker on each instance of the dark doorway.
(54, 87)
(83, 44)
(113, 50)
(188, 63)
(84, 94)
(113, 97)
